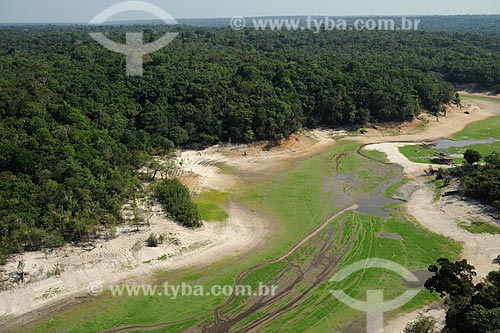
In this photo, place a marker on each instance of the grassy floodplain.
(211, 206)
(296, 202)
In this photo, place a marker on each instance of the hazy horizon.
(78, 11)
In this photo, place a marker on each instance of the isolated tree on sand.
(137, 218)
(152, 241)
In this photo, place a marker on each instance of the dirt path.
(391, 150)
(221, 324)
(242, 275)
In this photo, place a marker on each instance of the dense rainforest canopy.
(74, 128)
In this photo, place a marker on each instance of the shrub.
(152, 241)
(422, 325)
(176, 201)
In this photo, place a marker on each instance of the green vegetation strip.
(484, 129)
(211, 206)
(480, 227)
(438, 189)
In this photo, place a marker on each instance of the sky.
(82, 11)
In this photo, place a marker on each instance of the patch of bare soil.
(391, 150)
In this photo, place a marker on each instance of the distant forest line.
(475, 23)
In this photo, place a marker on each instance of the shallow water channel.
(376, 203)
(447, 143)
